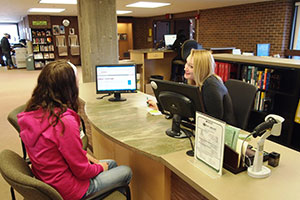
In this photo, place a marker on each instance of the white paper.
(209, 141)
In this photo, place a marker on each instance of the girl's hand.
(104, 165)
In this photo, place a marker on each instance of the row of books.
(40, 64)
(43, 48)
(262, 102)
(41, 33)
(47, 40)
(40, 56)
(223, 70)
(258, 77)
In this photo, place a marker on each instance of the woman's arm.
(70, 146)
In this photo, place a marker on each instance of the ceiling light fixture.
(47, 10)
(59, 1)
(122, 12)
(144, 4)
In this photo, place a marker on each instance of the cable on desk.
(104, 96)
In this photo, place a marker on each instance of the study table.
(126, 132)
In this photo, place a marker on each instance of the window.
(11, 29)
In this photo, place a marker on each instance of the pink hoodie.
(57, 158)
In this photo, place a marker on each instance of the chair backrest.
(187, 46)
(242, 95)
(18, 174)
(12, 116)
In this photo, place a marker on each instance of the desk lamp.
(271, 126)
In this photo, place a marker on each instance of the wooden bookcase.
(282, 93)
(42, 46)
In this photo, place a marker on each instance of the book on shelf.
(223, 70)
(36, 48)
(38, 56)
(297, 114)
(51, 55)
(46, 56)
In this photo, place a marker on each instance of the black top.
(216, 99)
(5, 45)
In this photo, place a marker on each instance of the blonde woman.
(199, 71)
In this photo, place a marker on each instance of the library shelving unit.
(278, 91)
(42, 46)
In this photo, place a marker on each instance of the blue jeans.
(115, 174)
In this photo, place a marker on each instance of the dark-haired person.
(199, 71)
(6, 49)
(50, 131)
(177, 69)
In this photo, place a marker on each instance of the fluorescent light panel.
(122, 12)
(59, 1)
(144, 4)
(47, 10)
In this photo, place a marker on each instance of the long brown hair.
(56, 91)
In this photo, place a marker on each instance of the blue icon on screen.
(129, 82)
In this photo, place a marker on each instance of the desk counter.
(125, 132)
(152, 62)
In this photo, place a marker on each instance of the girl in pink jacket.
(50, 131)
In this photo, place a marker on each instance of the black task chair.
(242, 95)
(19, 175)
(186, 48)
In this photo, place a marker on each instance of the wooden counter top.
(267, 61)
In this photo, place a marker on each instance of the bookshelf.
(42, 46)
(278, 83)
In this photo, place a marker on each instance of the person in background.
(2, 63)
(6, 49)
(199, 71)
(177, 69)
(50, 130)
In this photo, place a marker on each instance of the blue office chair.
(186, 48)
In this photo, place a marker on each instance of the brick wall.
(241, 26)
(246, 25)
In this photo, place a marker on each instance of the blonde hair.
(204, 66)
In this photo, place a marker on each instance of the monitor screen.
(178, 100)
(116, 79)
(169, 39)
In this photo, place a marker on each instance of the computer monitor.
(169, 39)
(178, 100)
(116, 79)
(262, 49)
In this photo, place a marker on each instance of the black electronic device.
(180, 101)
(116, 79)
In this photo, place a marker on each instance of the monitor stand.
(176, 131)
(117, 97)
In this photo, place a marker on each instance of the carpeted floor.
(15, 89)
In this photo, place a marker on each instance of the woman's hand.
(95, 161)
(152, 104)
